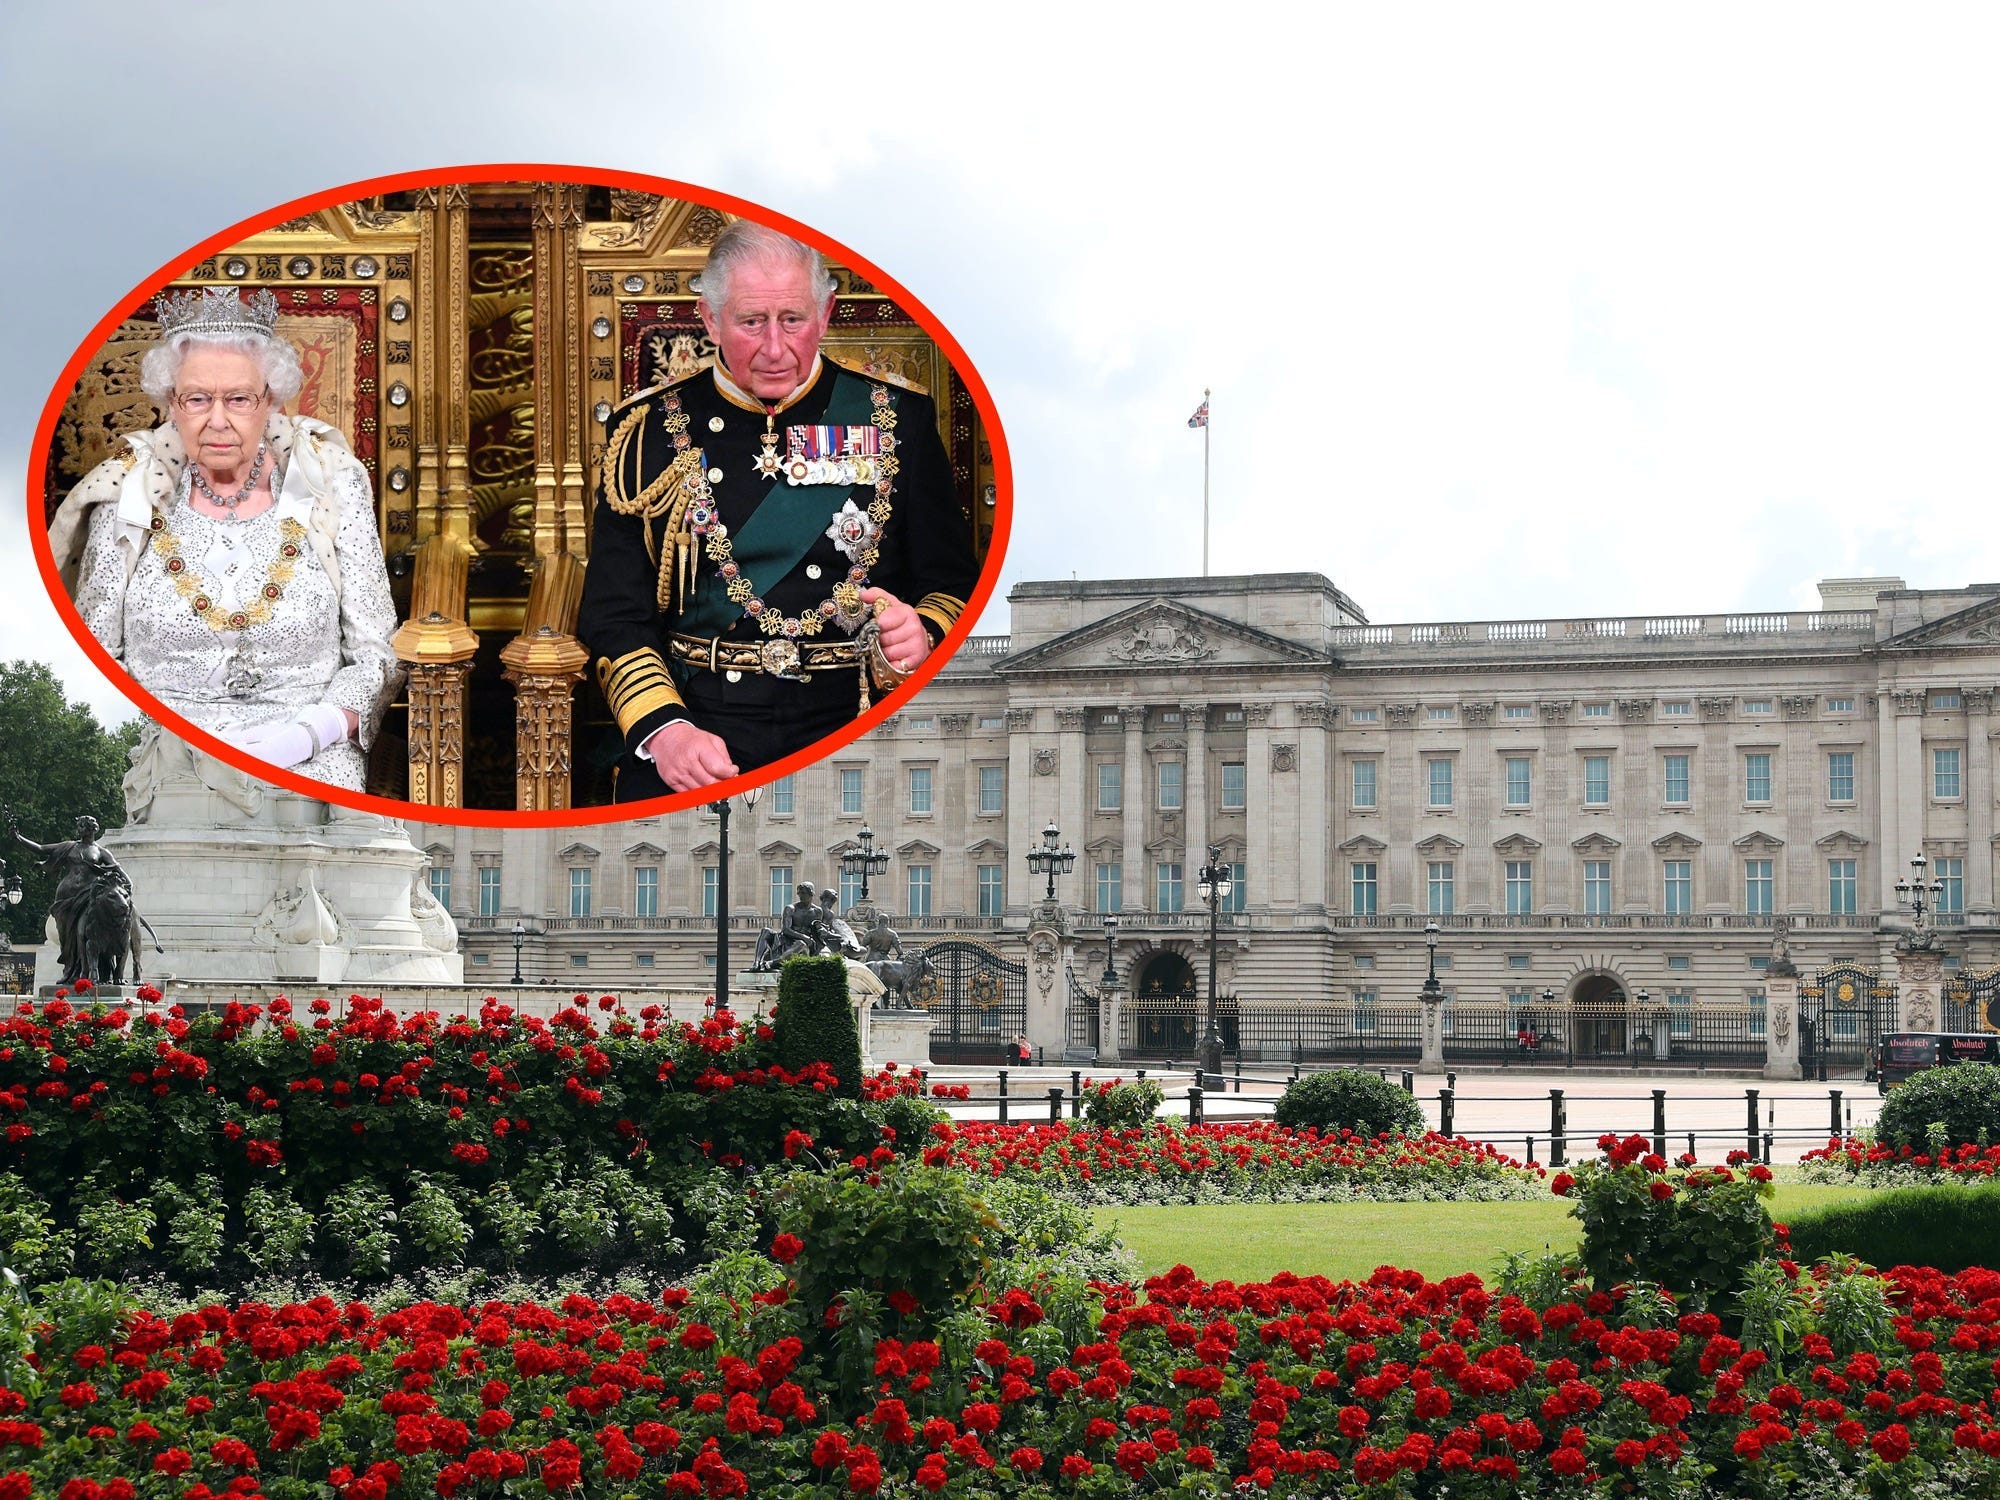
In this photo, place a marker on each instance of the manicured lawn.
(1251, 1241)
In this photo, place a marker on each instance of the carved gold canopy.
(470, 339)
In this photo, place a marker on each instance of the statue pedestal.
(902, 1037)
(1431, 1059)
(1919, 987)
(244, 883)
(1781, 1026)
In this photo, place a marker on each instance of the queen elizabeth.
(229, 558)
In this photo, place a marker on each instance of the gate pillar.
(1050, 957)
(1919, 987)
(1781, 1025)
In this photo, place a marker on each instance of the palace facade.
(1589, 808)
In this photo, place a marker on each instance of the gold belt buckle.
(780, 658)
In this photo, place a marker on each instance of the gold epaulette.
(880, 377)
(636, 684)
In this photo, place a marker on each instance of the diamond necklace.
(230, 502)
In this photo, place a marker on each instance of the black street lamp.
(1912, 891)
(520, 937)
(1110, 949)
(1432, 990)
(1213, 885)
(864, 859)
(1052, 859)
(721, 811)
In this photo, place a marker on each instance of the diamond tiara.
(218, 310)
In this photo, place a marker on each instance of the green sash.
(783, 527)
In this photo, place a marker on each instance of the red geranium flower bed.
(1166, 1162)
(1298, 1386)
(1852, 1157)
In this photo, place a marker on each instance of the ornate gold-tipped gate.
(470, 339)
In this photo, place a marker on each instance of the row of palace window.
(1523, 1005)
(918, 885)
(1676, 779)
(1170, 888)
(1676, 893)
(1440, 783)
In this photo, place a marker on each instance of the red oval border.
(1003, 477)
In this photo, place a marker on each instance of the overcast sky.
(1509, 310)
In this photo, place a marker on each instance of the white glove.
(291, 741)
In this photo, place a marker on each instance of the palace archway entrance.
(1597, 1028)
(1166, 1008)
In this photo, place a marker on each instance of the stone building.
(1590, 809)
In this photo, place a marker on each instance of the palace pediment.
(1161, 634)
(1977, 626)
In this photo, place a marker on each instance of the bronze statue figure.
(799, 933)
(97, 926)
(833, 929)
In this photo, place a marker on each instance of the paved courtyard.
(1512, 1108)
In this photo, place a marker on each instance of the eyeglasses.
(236, 403)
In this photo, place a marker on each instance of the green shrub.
(192, 1223)
(911, 1118)
(906, 1229)
(1947, 1226)
(510, 1221)
(436, 1226)
(278, 1231)
(1348, 1099)
(29, 1239)
(1964, 1098)
(111, 1230)
(1697, 1229)
(815, 1021)
(360, 1217)
(1124, 1106)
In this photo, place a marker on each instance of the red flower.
(903, 1302)
(1661, 1190)
(787, 1248)
(1561, 1184)
(1892, 1443)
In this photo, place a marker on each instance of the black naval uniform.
(666, 639)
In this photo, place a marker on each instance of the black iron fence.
(1171, 1028)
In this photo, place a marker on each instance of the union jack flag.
(1200, 417)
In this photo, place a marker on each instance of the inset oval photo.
(519, 494)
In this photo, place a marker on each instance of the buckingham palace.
(1592, 812)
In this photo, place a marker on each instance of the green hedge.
(1949, 1227)
(1349, 1099)
(815, 1020)
(1964, 1098)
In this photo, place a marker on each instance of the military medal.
(768, 464)
(853, 531)
(813, 455)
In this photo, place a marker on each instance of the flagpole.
(1204, 479)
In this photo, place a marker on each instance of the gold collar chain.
(844, 607)
(191, 587)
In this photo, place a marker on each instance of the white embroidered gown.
(313, 647)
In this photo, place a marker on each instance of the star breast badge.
(853, 530)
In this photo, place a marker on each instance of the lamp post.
(1432, 990)
(721, 810)
(1110, 976)
(520, 937)
(1213, 885)
(1911, 892)
(864, 859)
(1052, 859)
